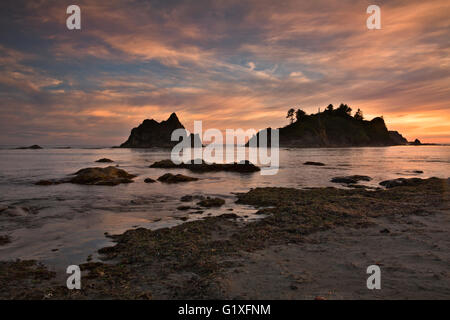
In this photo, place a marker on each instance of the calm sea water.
(63, 224)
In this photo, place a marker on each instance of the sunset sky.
(232, 64)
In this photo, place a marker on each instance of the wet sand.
(314, 243)
(414, 258)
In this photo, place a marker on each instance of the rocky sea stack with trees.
(334, 127)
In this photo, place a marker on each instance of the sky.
(232, 64)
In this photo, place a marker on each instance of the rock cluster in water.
(241, 167)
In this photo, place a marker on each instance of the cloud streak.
(233, 64)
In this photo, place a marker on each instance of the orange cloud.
(233, 64)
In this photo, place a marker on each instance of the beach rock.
(312, 163)
(172, 178)
(357, 186)
(109, 176)
(241, 167)
(33, 147)
(410, 172)
(165, 164)
(229, 216)
(47, 182)
(5, 240)
(183, 208)
(149, 180)
(104, 160)
(416, 142)
(151, 134)
(350, 179)
(401, 182)
(3, 208)
(188, 198)
(18, 211)
(211, 202)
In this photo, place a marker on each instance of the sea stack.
(333, 128)
(154, 134)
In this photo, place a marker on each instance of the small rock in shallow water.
(46, 183)
(18, 211)
(350, 179)
(385, 231)
(4, 240)
(229, 216)
(313, 163)
(401, 182)
(171, 178)
(182, 208)
(149, 180)
(33, 147)
(211, 202)
(188, 198)
(105, 160)
(109, 176)
(356, 186)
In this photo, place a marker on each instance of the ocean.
(62, 225)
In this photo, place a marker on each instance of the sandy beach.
(310, 244)
(413, 257)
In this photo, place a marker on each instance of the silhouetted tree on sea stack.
(290, 114)
(299, 114)
(359, 115)
(344, 109)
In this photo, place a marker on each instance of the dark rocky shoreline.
(191, 260)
